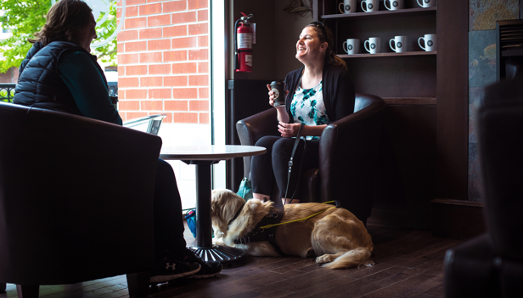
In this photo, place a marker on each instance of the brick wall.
(163, 60)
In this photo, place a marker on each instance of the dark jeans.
(169, 226)
(273, 165)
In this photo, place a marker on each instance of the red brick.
(185, 117)
(122, 94)
(159, 44)
(134, 115)
(196, 29)
(203, 67)
(152, 105)
(190, 67)
(175, 31)
(159, 93)
(184, 93)
(201, 80)
(120, 47)
(150, 81)
(135, 23)
(203, 92)
(203, 118)
(175, 56)
(197, 4)
(119, 14)
(152, 57)
(131, 11)
(198, 54)
(169, 118)
(151, 33)
(155, 8)
(127, 58)
(203, 41)
(137, 46)
(132, 105)
(161, 20)
(184, 42)
(175, 81)
(203, 15)
(127, 82)
(127, 35)
(135, 93)
(121, 71)
(135, 2)
(199, 105)
(159, 69)
(176, 105)
(174, 6)
(184, 17)
(135, 70)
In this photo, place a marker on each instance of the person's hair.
(325, 35)
(64, 21)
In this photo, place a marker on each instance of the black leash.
(290, 163)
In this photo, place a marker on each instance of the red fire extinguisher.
(243, 44)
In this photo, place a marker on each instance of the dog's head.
(224, 205)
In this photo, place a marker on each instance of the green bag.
(244, 190)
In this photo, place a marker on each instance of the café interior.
(430, 161)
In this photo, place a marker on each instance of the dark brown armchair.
(348, 154)
(76, 200)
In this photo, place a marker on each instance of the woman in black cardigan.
(318, 93)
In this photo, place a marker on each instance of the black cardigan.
(337, 91)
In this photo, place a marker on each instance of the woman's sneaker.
(207, 269)
(170, 268)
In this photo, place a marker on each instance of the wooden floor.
(408, 263)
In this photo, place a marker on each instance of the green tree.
(26, 17)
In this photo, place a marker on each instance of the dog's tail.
(353, 258)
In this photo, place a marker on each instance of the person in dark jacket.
(318, 93)
(60, 74)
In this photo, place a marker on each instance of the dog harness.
(259, 234)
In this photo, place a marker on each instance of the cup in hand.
(369, 5)
(373, 45)
(427, 3)
(351, 46)
(398, 44)
(280, 93)
(394, 4)
(429, 42)
(348, 6)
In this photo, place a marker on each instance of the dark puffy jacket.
(39, 83)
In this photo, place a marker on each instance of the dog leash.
(290, 163)
(301, 219)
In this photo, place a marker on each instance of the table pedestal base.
(224, 254)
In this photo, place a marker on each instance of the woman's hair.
(325, 35)
(64, 21)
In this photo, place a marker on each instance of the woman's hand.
(288, 130)
(272, 96)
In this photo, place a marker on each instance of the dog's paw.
(219, 241)
(324, 259)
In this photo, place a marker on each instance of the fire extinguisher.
(243, 44)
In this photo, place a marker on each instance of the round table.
(204, 156)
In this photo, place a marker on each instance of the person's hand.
(272, 96)
(288, 130)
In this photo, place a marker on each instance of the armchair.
(348, 154)
(76, 200)
(490, 265)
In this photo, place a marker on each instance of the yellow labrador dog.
(335, 236)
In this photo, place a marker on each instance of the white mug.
(374, 45)
(351, 46)
(427, 3)
(399, 44)
(430, 42)
(369, 5)
(395, 4)
(349, 6)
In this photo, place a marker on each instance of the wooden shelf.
(382, 13)
(410, 100)
(389, 54)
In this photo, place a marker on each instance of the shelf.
(389, 54)
(410, 100)
(383, 13)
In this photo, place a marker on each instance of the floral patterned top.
(308, 107)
